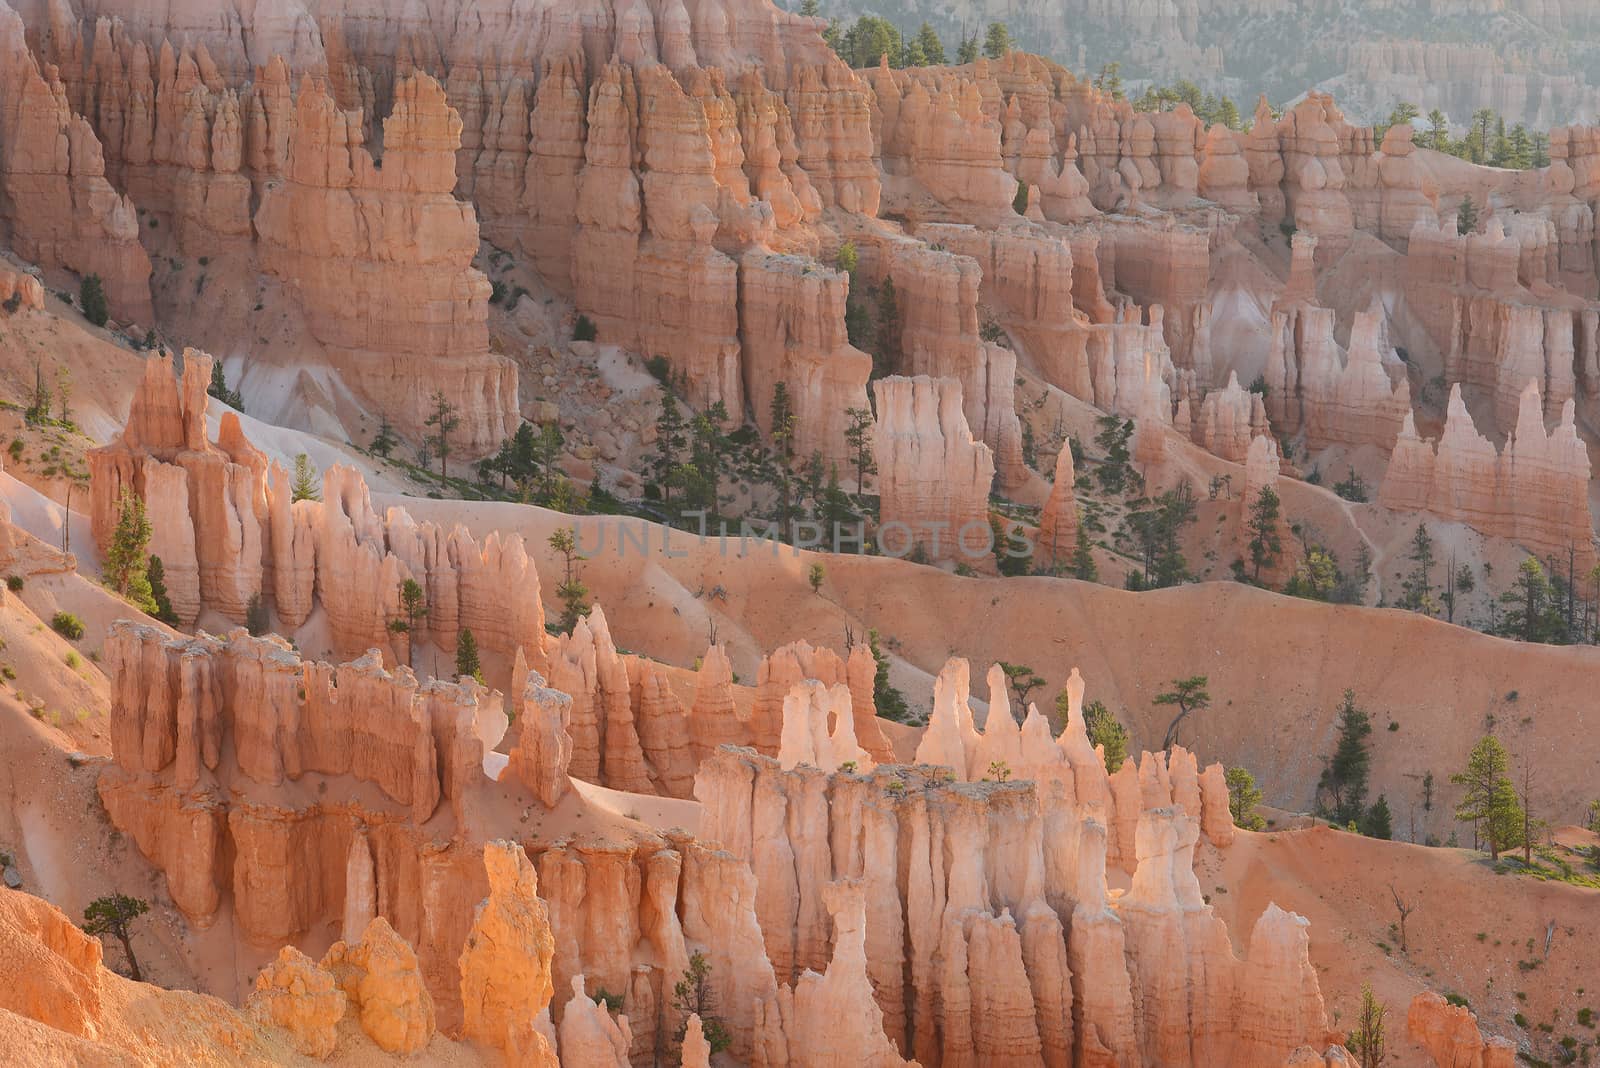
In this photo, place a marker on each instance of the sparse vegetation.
(889, 702)
(691, 995)
(67, 625)
(219, 388)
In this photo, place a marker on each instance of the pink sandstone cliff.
(380, 255)
(933, 477)
(1534, 491)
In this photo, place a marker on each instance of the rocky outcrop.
(933, 476)
(227, 530)
(935, 137)
(543, 750)
(56, 206)
(830, 1020)
(1450, 1035)
(208, 736)
(1230, 418)
(787, 667)
(1361, 397)
(505, 963)
(20, 292)
(1485, 303)
(377, 980)
(1314, 174)
(1058, 523)
(1027, 277)
(791, 328)
(937, 295)
(380, 255)
(383, 986)
(966, 950)
(590, 1035)
(1534, 491)
(819, 729)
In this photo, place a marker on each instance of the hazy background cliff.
(1533, 61)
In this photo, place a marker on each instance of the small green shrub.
(67, 625)
(73, 659)
(584, 330)
(14, 583)
(8, 673)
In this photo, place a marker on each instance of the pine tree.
(692, 996)
(39, 410)
(1378, 821)
(1189, 695)
(157, 575)
(783, 423)
(1533, 612)
(888, 330)
(1228, 114)
(64, 394)
(1243, 797)
(1416, 590)
(1466, 216)
(669, 445)
(967, 51)
(413, 609)
(889, 702)
(809, 8)
(467, 664)
(1109, 80)
(1083, 565)
(219, 389)
(1489, 802)
(1344, 779)
(305, 480)
(997, 40)
(1367, 1040)
(837, 515)
(444, 421)
(1266, 544)
(932, 47)
(92, 295)
(129, 552)
(1483, 121)
(572, 593)
(114, 916)
(1438, 137)
(1019, 202)
(384, 441)
(858, 437)
(1103, 730)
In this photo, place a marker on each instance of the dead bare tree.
(1405, 909)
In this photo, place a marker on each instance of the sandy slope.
(1472, 932)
